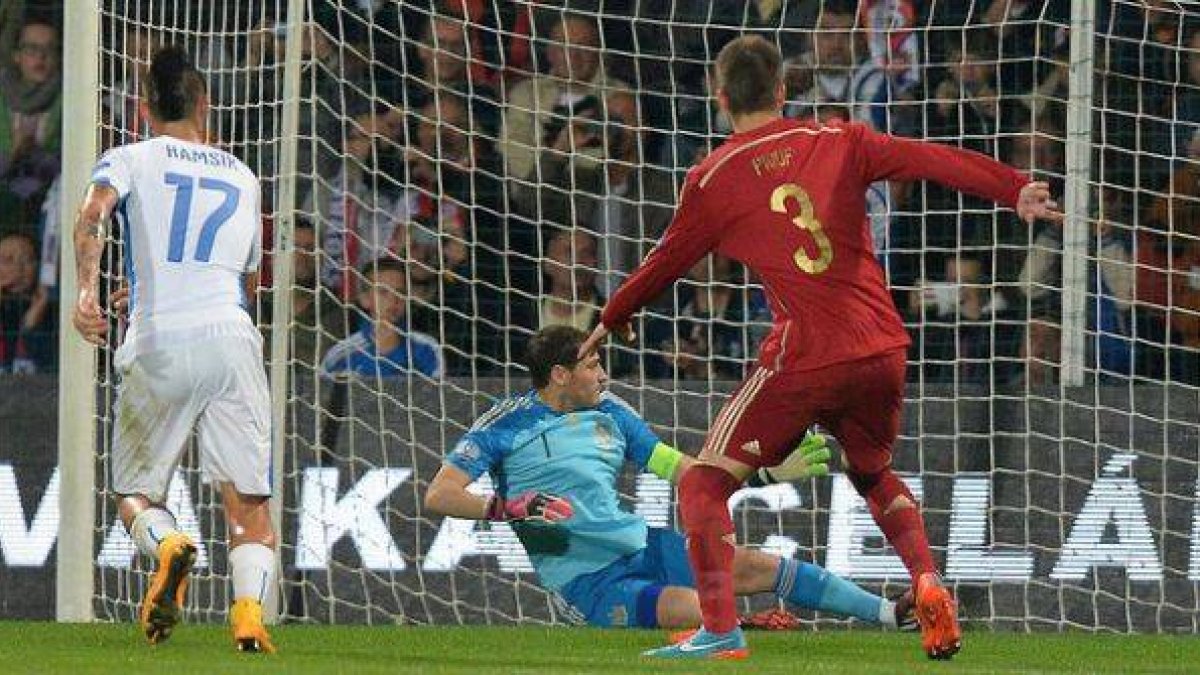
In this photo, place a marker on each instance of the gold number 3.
(806, 221)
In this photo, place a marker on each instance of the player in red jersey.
(786, 198)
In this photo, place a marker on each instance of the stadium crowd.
(471, 171)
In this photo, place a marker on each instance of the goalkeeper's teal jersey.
(527, 446)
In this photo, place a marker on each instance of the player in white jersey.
(191, 358)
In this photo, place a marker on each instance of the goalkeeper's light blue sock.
(811, 587)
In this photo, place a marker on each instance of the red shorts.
(857, 401)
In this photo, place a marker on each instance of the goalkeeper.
(555, 453)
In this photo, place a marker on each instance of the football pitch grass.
(39, 647)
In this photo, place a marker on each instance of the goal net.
(470, 171)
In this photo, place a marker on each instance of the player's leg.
(235, 451)
(155, 534)
(664, 561)
(251, 566)
(704, 492)
(626, 593)
(156, 408)
(758, 426)
(809, 586)
(867, 427)
(799, 583)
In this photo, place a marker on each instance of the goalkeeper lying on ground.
(555, 454)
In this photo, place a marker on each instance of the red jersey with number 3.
(788, 201)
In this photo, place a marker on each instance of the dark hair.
(303, 223)
(549, 347)
(21, 235)
(749, 69)
(173, 85)
(385, 263)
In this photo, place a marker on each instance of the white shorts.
(217, 387)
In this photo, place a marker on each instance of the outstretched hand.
(810, 459)
(1035, 203)
(625, 332)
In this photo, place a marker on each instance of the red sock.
(904, 527)
(704, 494)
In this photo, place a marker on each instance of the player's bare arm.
(625, 332)
(448, 495)
(90, 232)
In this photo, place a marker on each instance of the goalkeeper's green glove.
(809, 459)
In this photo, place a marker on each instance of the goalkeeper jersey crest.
(527, 446)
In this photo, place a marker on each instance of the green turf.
(77, 649)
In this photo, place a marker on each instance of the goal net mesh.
(467, 172)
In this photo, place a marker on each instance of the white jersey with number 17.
(189, 215)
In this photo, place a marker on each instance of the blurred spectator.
(27, 343)
(1038, 149)
(571, 296)
(1041, 281)
(50, 233)
(636, 200)
(839, 70)
(327, 101)
(447, 301)
(1169, 231)
(30, 122)
(120, 100)
(1027, 32)
(1049, 98)
(620, 199)
(502, 38)
(356, 210)
(1185, 315)
(557, 109)
(697, 126)
(385, 346)
(449, 226)
(672, 46)
(705, 336)
(1110, 293)
(953, 340)
(892, 40)
(445, 53)
(553, 188)
(365, 36)
(966, 105)
(964, 111)
(825, 70)
(317, 316)
(441, 166)
(1182, 105)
